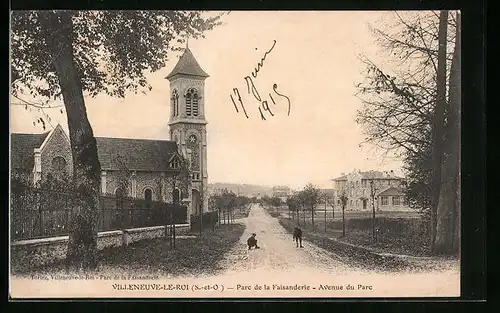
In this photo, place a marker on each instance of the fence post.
(213, 221)
(325, 216)
(165, 221)
(40, 214)
(173, 231)
(67, 215)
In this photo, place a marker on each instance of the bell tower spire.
(188, 123)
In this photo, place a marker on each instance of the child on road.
(252, 242)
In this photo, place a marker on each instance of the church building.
(150, 164)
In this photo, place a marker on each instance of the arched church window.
(192, 102)
(58, 166)
(175, 102)
(119, 194)
(148, 196)
(176, 195)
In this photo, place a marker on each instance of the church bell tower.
(188, 124)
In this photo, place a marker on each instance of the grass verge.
(355, 256)
(398, 236)
(191, 256)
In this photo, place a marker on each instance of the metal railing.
(40, 213)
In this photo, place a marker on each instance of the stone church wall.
(149, 180)
(143, 180)
(57, 146)
(112, 178)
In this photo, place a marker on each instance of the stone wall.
(138, 234)
(26, 254)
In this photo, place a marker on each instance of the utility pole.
(344, 202)
(325, 214)
(333, 208)
(372, 187)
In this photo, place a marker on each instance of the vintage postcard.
(241, 154)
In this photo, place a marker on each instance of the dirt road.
(278, 251)
(280, 262)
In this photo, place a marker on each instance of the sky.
(314, 62)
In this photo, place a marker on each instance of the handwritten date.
(252, 89)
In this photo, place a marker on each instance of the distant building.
(357, 186)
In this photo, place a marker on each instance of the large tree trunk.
(448, 225)
(82, 245)
(438, 122)
(456, 102)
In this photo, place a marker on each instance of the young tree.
(275, 202)
(291, 202)
(328, 201)
(64, 54)
(311, 196)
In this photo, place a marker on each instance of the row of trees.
(273, 201)
(411, 107)
(307, 200)
(227, 203)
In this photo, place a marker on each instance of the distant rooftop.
(371, 175)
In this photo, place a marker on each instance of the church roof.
(22, 149)
(136, 154)
(187, 65)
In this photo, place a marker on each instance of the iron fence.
(39, 213)
(208, 220)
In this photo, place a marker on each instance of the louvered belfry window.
(192, 108)
(195, 105)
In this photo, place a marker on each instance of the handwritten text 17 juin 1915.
(252, 89)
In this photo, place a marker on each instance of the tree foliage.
(113, 50)
(405, 101)
(310, 196)
(399, 97)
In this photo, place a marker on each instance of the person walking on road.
(297, 236)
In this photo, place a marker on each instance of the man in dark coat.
(252, 242)
(297, 236)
